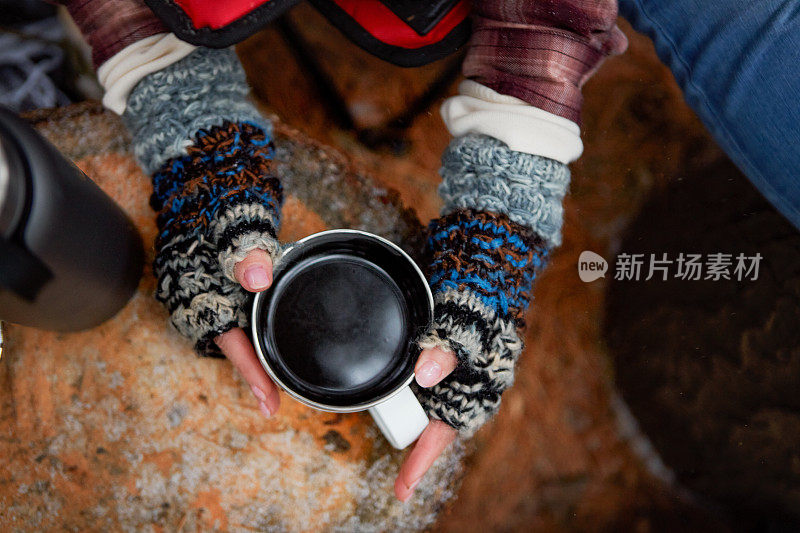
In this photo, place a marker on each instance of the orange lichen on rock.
(212, 513)
(299, 221)
(164, 460)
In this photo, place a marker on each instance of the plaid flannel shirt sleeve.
(542, 52)
(111, 25)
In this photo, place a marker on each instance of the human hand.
(433, 365)
(501, 217)
(254, 274)
(217, 203)
(482, 268)
(218, 216)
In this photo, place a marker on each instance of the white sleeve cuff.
(120, 74)
(523, 127)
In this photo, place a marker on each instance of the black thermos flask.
(69, 256)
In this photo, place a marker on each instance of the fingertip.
(433, 365)
(428, 373)
(403, 492)
(265, 410)
(400, 490)
(266, 394)
(254, 272)
(256, 278)
(267, 397)
(273, 400)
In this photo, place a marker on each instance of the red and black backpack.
(404, 32)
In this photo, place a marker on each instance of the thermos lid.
(20, 271)
(12, 185)
(3, 176)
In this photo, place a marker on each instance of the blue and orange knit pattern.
(487, 254)
(227, 165)
(206, 201)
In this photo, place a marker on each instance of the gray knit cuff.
(484, 174)
(487, 348)
(166, 109)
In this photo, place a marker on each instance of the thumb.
(254, 272)
(433, 365)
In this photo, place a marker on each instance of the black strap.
(175, 18)
(20, 271)
(421, 15)
(397, 55)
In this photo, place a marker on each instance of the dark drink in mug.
(338, 328)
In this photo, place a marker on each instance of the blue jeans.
(738, 63)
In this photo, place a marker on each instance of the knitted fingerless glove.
(502, 216)
(209, 153)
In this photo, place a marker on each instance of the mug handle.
(401, 418)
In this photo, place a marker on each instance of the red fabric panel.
(215, 14)
(380, 22)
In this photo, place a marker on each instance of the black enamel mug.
(338, 328)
